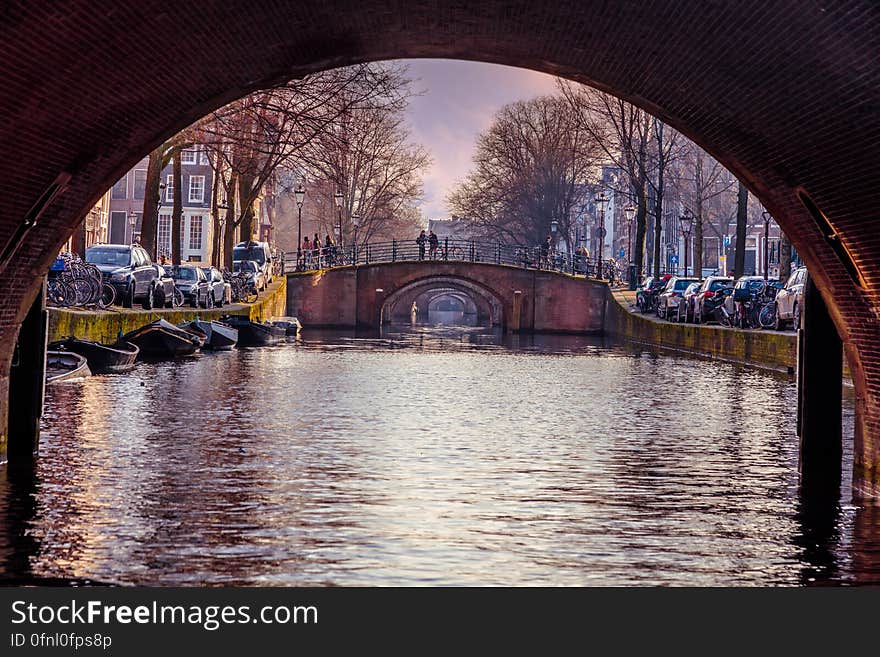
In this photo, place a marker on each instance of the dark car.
(193, 283)
(216, 286)
(669, 297)
(128, 269)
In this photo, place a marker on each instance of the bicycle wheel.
(178, 298)
(58, 293)
(108, 296)
(767, 316)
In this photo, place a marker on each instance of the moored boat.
(102, 358)
(218, 336)
(64, 366)
(291, 325)
(254, 334)
(161, 339)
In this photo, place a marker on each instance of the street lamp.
(686, 224)
(356, 222)
(299, 195)
(338, 197)
(601, 202)
(630, 212)
(766, 216)
(132, 221)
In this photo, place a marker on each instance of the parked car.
(254, 273)
(790, 300)
(164, 288)
(258, 252)
(686, 305)
(669, 296)
(216, 286)
(128, 269)
(709, 296)
(191, 280)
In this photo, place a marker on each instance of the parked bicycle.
(74, 282)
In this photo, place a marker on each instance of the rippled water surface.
(428, 457)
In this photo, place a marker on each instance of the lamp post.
(338, 197)
(686, 225)
(299, 195)
(132, 221)
(766, 216)
(221, 237)
(601, 202)
(356, 222)
(630, 212)
(554, 226)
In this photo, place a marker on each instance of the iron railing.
(449, 250)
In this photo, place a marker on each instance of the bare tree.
(531, 169)
(624, 134)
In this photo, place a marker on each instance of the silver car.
(667, 302)
(790, 300)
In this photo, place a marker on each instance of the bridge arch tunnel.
(732, 77)
(476, 304)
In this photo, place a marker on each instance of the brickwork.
(784, 94)
(355, 297)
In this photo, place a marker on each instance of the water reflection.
(452, 455)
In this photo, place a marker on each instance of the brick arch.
(785, 95)
(482, 295)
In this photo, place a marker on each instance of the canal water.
(429, 457)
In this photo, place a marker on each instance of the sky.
(459, 102)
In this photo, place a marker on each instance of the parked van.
(258, 252)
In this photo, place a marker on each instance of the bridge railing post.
(393, 250)
(446, 249)
(472, 250)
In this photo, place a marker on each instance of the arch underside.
(785, 95)
(487, 306)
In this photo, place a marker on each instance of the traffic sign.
(673, 259)
(600, 231)
(621, 253)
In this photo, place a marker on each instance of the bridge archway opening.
(444, 300)
(91, 123)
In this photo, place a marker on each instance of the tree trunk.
(150, 220)
(177, 211)
(697, 247)
(215, 225)
(245, 187)
(229, 235)
(784, 258)
(658, 197)
(641, 228)
(742, 209)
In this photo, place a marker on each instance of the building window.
(196, 189)
(120, 189)
(163, 236)
(195, 233)
(140, 184)
(203, 156)
(189, 156)
(169, 188)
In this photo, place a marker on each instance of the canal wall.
(105, 325)
(768, 349)
(522, 300)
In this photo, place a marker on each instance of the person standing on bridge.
(329, 250)
(545, 253)
(306, 250)
(433, 243)
(420, 240)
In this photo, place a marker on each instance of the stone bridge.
(512, 298)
